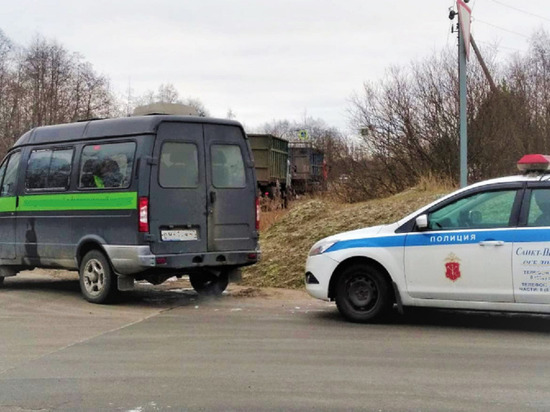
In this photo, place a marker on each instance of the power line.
(520, 10)
(500, 28)
(497, 46)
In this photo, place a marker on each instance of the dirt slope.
(286, 243)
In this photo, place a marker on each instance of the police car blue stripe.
(446, 238)
(382, 241)
(532, 235)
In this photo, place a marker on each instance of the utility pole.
(463, 112)
(484, 67)
(463, 47)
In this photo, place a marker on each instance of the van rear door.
(203, 188)
(177, 201)
(231, 188)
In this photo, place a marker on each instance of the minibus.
(136, 198)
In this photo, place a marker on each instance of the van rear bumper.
(128, 260)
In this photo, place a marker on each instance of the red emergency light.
(534, 163)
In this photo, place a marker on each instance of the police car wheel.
(97, 280)
(363, 294)
(209, 283)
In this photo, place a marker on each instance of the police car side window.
(539, 208)
(106, 166)
(479, 211)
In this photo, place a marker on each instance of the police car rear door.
(178, 190)
(466, 252)
(531, 254)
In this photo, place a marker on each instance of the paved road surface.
(170, 350)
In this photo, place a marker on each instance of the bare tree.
(409, 121)
(46, 84)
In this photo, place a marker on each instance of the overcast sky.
(264, 60)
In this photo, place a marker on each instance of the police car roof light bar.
(534, 163)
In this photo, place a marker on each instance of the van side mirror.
(422, 222)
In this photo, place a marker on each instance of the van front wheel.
(209, 283)
(97, 280)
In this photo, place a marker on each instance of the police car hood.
(363, 233)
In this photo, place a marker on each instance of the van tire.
(1, 281)
(208, 283)
(97, 279)
(363, 294)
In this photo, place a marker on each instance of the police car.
(483, 247)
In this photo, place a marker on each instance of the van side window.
(227, 166)
(106, 166)
(10, 178)
(179, 165)
(49, 169)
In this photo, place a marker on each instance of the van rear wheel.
(97, 280)
(209, 283)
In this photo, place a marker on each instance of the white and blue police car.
(483, 247)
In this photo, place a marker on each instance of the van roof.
(93, 129)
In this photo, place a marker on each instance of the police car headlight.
(320, 248)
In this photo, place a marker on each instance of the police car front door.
(466, 252)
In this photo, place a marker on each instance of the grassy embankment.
(287, 236)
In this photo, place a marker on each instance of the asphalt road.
(255, 350)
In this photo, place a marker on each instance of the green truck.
(272, 166)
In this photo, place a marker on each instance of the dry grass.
(288, 235)
(268, 218)
(431, 182)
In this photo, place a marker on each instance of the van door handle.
(212, 197)
(492, 243)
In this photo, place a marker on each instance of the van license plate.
(178, 235)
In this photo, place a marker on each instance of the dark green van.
(137, 198)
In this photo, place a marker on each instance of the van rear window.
(227, 166)
(106, 166)
(49, 169)
(179, 165)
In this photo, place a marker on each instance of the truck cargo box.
(306, 162)
(270, 158)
